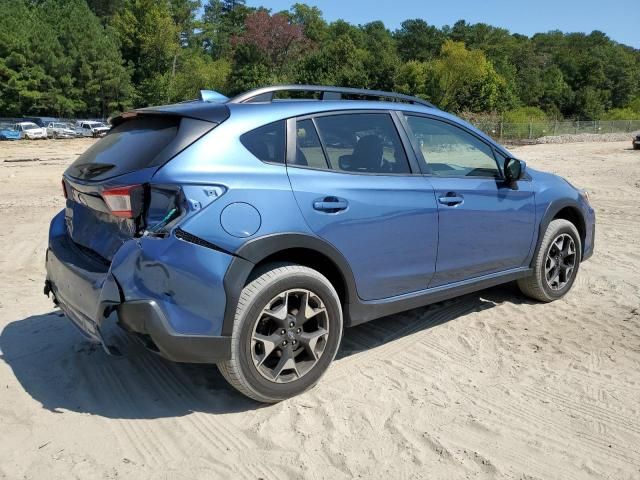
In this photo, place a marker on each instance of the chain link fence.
(499, 130)
(533, 130)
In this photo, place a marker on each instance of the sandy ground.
(486, 386)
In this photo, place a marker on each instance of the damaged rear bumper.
(151, 292)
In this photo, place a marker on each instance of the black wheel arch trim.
(256, 250)
(355, 309)
(550, 213)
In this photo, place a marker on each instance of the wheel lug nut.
(291, 324)
(284, 344)
(283, 331)
(298, 330)
(293, 342)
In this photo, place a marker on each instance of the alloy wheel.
(289, 336)
(560, 262)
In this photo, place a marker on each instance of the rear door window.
(362, 143)
(309, 151)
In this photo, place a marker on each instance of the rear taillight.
(124, 202)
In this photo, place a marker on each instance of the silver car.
(90, 128)
(60, 130)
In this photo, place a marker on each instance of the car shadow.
(388, 329)
(63, 371)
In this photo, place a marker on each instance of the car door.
(485, 225)
(352, 180)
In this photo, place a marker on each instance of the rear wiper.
(90, 170)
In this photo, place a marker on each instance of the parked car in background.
(636, 143)
(92, 129)
(31, 131)
(9, 132)
(60, 130)
(248, 232)
(40, 121)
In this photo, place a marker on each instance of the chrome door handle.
(330, 204)
(451, 200)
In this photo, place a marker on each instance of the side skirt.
(364, 311)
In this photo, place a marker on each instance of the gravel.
(588, 137)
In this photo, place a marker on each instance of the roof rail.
(266, 94)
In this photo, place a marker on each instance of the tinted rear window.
(132, 145)
(267, 143)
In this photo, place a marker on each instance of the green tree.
(417, 40)
(95, 78)
(222, 19)
(339, 62)
(412, 78)
(382, 60)
(200, 72)
(151, 41)
(310, 18)
(462, 79)
(57, 58)
(95, 57)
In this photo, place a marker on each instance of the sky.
(619, 19)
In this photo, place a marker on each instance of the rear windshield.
(132, 145)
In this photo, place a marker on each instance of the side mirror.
(514, 169)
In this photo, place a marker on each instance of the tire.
(538, 286)
(274, 283)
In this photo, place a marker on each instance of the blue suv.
(247, 232)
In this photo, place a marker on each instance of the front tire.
(287, 330)
(556, 263)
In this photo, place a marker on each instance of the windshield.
(30, 126)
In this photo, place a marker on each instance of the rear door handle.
(451, 199)
(330, 205)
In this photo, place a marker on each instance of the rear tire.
(287, 330)
(556, 263)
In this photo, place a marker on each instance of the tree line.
(94, 58)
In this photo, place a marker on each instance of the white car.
(92, 129)
(60, 130)
(30, 130)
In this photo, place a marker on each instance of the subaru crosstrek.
(247, 232)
